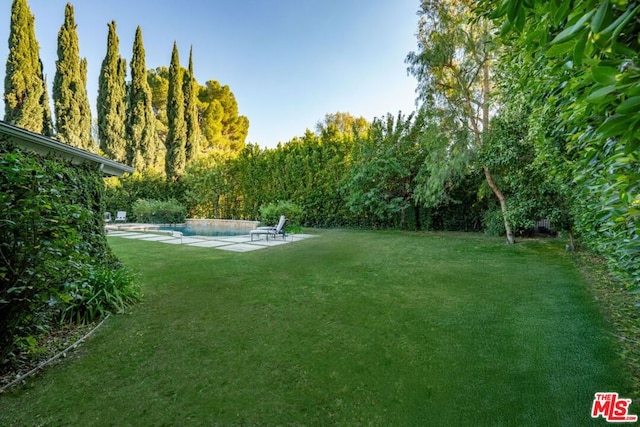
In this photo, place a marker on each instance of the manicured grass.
(350, 328)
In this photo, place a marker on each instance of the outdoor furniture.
(271, 231)
(121, 216)
(107, 217)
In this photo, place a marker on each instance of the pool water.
(187, 230)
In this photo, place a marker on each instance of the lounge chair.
(121, 216)
(107, 217)
(271, 231)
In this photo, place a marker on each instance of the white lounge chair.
(107, 217)
(121, 216)
(271, 231)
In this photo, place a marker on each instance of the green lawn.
(350, 328)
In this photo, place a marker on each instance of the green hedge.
(159, 211)
(270, 215)
(122, 193)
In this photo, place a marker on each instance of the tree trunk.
(503, 204)
(486, 93)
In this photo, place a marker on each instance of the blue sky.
(288, 62)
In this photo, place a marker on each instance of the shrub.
(159, 212)
(270, 214)
(493, 222)
(100, 291)
(122, 192)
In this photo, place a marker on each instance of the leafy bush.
(159, 212)
(493, 222)
(121, 193)
(270, 214)
(101, 291)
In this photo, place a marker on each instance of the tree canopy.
(453, 66)
(221, 126)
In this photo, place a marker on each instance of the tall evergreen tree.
(85, 108)
(177, 133)
(47, 121)
(23, 83)
(191, 116)
(70, 100)
(112, 94)
(142, 151)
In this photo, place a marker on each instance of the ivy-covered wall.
(51, 233)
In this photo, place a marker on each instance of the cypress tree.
(112, 93)
(23, 83)
(70, 100)
(190, 89)
(177, 129)
(85, 108)
(47, 121)
(142, 151)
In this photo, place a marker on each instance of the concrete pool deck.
(241, 243)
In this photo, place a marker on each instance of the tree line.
(349, 172)
(160, 120)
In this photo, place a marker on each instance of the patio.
(227, 243)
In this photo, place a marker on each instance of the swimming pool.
(195, 227)
(212, 227)
(189, 230)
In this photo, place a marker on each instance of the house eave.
(44, 145)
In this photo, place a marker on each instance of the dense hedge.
(270, 215)
(310, 172)
(159, 211)
(121, 194)
(51, 233)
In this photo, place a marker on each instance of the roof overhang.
(44, 145)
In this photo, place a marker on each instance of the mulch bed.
(50, 345)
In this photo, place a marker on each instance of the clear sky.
(288, 62)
